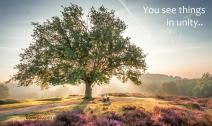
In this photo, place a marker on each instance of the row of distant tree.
(4, 91)
(201, 87)
(164, 84)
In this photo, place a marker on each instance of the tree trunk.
(88, 91)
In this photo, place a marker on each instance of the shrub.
(170, 116)
(180, 117)
(27, 123)
(209, 104)
(198, 118)
(9, 101)
(113, 116)
(191, 105)
(137, 118)
(109, 119)
(160, 96)
(72, 118)
(102, 122)
(128, 108)
(50, 99)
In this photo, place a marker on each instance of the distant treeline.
(163, 84)
(4, 91)
(156, 84)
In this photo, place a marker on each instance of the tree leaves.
(67, 50)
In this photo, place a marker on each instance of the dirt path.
(27, 110)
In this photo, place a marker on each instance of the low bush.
(137, 118)
(128, 108)
(9, 101)
(170, 116)
(27, 123)
(191, 105)
(109, 119)
(72, 118)
(180, 117)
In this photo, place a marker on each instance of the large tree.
(70, 50)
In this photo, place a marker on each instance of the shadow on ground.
(82, 105)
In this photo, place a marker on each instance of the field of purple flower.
(177, 113)
(130, 116)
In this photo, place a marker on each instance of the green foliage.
(204, 86)
(185, 86)
(189, 87)
(68, 49)
(169, 88)
(4, 91)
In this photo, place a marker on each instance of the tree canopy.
(73, 48)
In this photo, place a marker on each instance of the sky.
(176, 51)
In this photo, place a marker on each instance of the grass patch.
(50, 99)
(27, 103)
(192, 106)
(9, 101)
(118, 94)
